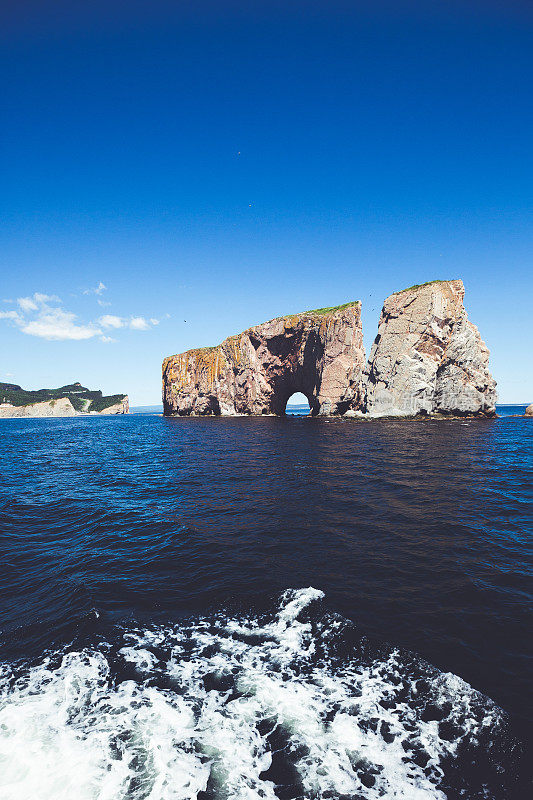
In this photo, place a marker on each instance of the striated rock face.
(62, 407)
(319, 353)
(427, 357)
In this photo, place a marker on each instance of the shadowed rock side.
(428, 358)
(319, 353)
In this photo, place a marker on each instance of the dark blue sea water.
(265, 608)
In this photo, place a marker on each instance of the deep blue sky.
(224, 163)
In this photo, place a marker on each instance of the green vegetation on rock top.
(332, 309)
(419, 286)
(81, 398)
(319, 311)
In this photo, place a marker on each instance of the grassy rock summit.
(67, 401)
(427, 359)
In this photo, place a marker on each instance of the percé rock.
(428, 358)
(319, 353)
(62, 407)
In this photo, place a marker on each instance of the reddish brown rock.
(319, 353)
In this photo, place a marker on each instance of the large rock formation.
(427, 359)
(319, 353)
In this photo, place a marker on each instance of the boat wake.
(292, 704)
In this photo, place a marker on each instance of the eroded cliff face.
(428, 358)
(319, 353)
(62, 407)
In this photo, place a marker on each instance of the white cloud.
(27, 304)
(111, 321)
(101, 287)
(135, 323)
(10, 315)
(103, 303)
(138, 324)
(32, 303)
(46, 298)
(39, 315)
(56, 324)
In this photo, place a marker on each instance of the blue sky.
(173, 173)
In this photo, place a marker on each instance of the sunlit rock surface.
(427, 359)
(319, 353)
(62, 407)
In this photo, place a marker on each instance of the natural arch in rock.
(319, 353)
(298, 404)
(427, 358)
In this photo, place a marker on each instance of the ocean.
(265, 608)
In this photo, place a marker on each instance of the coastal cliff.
(427, 359)
(67, 401)
(62, 407)
(319, 353)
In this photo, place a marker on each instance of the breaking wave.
(292, 704)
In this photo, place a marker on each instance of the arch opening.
(298, 405)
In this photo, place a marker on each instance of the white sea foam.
(236, 708)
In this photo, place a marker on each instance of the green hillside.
(82, 399)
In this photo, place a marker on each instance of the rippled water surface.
(249, 608)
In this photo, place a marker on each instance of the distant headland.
(427, 359)
(67, 401)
